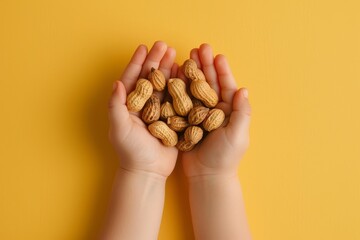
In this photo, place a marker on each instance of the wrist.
(143, 175)
(137, 203)
(213, 179)
(206, 168)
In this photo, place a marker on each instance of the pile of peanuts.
(179, 122)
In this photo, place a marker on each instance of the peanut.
(137, 98)
(161, 131)
(151, 111)
(181, 100)
(197, 115)
(193, 134)
(177, 123)
(185, 146)
(201, 90)
(214, 119)
(157, 78)
(191, 70)
(166, 111)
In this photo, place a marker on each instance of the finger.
(226, 79)
(154, 57)
(207, 62)
(180, 74)
(194, 55)
(239, 122)
(227, 108)
(118, 112)
(174, 70)
(167, 62)
(133, 69)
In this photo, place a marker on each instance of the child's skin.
(211, 168)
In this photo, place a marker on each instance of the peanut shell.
(214, 119)
(160, 130)
(151, 111)
(166, 111)
(177, 123)
(137, 98)
(184, 146)
(197, 115)
(181, 100)
(191, 70)
(193, 134)
(201, 90)
(157, 78)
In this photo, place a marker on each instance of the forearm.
(136, 206)
(217, 208)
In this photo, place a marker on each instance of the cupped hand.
(137, 149)
(221, 150)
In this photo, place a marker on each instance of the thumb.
(239, 122)
(118, 112)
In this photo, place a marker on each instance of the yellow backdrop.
(300, 60)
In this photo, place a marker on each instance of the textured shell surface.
(192, 71)
(193, 134)
(185, 146)
(137, 98)
(177, 123)
(151, 111)
(160, 130)
(201, 90)
(167, 111)
(181, 101)
(214, 119)
(197, 115)
(157, 78)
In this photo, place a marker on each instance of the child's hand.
(222, 149)
(138, 149)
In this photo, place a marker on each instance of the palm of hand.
(141, 151)
(216, 154)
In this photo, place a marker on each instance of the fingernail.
(115, 84)
(245, 93)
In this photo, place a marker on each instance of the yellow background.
(299, 59)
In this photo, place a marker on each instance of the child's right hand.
(222, 149)
(138, 150)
